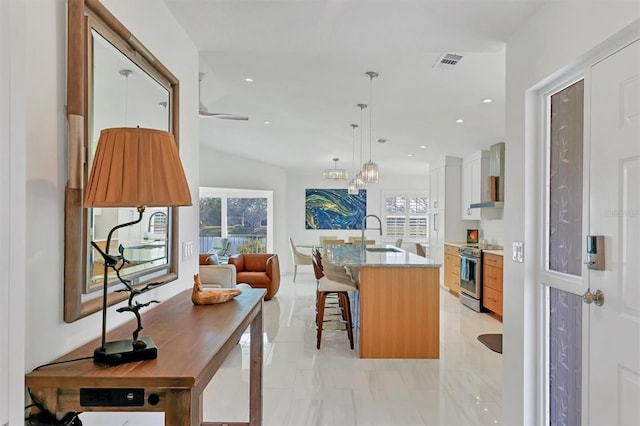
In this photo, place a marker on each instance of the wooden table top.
(192, 343)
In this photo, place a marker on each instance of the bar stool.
(334, 282)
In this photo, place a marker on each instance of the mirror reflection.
(124, 95)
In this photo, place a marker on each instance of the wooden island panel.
(399, 312)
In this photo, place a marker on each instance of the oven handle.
(469, 258)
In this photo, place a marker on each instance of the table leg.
(255, 372)
(182, 409)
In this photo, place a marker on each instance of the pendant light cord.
(353, 149)
(362, 107)
(372, 75)
(370, 112)
(126, 73)
(126, 98)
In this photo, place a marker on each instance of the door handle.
(597, 297)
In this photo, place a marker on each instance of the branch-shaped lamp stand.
(135, 349)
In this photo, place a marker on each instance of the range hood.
(496, 176)
(497, 204)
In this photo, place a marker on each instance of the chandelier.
(335, 173)
(370, 169)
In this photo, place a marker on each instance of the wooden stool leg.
(347, 317)
(344, 305)
(320, 300)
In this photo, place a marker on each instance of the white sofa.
(218, 276)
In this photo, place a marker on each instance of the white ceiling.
(308, 59)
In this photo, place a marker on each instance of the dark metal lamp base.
(123, 351)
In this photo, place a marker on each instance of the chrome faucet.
(364, 227)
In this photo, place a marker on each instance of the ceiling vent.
(447, 61)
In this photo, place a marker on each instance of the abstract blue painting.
(334, 209)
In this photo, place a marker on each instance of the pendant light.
(370, 169)
(352, 189)
(335, 173)
(359, 179)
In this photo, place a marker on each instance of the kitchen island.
(396, 310)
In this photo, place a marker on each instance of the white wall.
(559, 35)
(47, 336)
(12, 213)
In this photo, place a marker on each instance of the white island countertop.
(376, 256)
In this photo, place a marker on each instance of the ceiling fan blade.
(223, 116)
(204, 112)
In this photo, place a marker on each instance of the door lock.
(595, 252)
(597, 297)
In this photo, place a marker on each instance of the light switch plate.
(187, 250)
(518, 251)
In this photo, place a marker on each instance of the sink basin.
(383, 249)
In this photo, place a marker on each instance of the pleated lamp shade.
(136, 167)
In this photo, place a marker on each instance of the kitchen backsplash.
(492, 231)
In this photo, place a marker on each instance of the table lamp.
(140, 168)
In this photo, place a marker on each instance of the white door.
(614, 211)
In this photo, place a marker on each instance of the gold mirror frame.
(81, 14)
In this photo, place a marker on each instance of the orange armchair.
(259, 270)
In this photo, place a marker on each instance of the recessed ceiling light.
(248, 80)
(459, 120)
(487, 101)
(409, 155)
(267, 122)
(422, 147)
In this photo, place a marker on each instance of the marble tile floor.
(332, 386)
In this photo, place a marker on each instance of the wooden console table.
(193, 342)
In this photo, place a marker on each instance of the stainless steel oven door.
(470, 276)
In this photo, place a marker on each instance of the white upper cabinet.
(475, 174)
(437, 188)
(445, 224)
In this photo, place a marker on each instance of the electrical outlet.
(518, 251)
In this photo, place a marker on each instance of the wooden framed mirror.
(112, 81)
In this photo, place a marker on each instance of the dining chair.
(357, 241)
(298, 258)
(420, 250)
(399, 243)
(326, 243)
(322, 239)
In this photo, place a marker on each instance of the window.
(407, 216)
(244, 217)
(157, 223)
